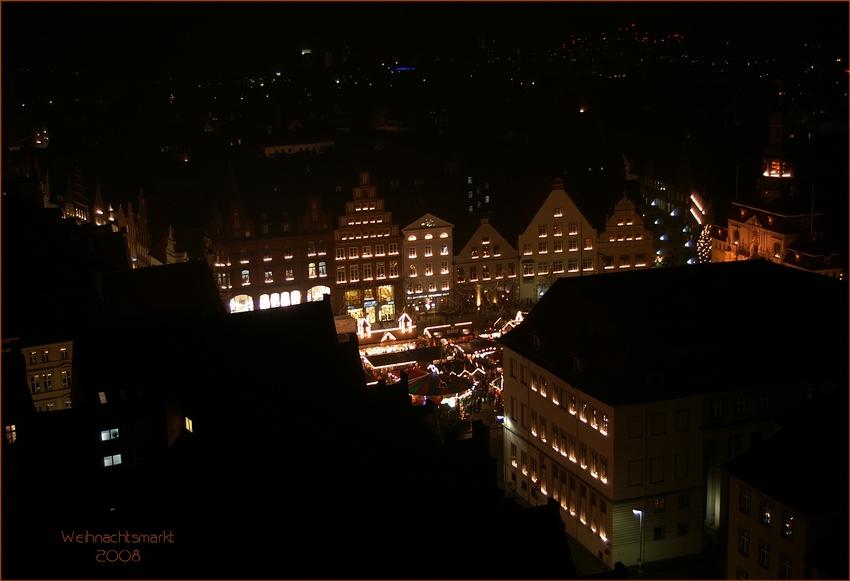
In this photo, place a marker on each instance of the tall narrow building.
(367, 259)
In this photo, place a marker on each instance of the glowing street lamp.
(639, 513)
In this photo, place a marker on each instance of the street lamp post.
(639, 513)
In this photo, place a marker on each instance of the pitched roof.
(629, 326)
(170, 290)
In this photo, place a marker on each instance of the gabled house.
(558, 242)
(427, 257)
(485, 271)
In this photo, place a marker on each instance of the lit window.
(33, 356)
(45, 355)
(411, 252)
(268, 275)
(573, 245)
(102, 396)
(526, 249)
(11, 434)
(63, 352)
(765, 512)
(787, 525)
(558, 212)
(444, 250)
(113, 460)
(188, 424)
(541, 230)
(573, 228)
(109, 434)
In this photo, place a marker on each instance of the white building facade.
(427, 258)
(486, 269)
(559, 242)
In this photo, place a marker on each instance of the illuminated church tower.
(765, 221)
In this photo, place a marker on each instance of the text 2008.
(113, 556)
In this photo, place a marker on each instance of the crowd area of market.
(456, 366)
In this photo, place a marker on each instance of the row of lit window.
(557, 267)
(412, 237)
(363, 220)
(499, 272)
(557, 246)
(429, 271)
(367, 251)
(365, 206)
(432, 287)
(49, 406)
(314, 270)
(624, 238)
(444, 251)
(766, 513)
(354, 272)
(485, 251)
(44, 382)
(625, 261)
(563, 489)
(244, 303)
(358, 235)
(561, 397)
(45, 355)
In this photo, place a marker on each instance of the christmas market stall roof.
(401, 357)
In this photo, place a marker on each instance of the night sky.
(123, 37)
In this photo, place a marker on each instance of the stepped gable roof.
(604, 321)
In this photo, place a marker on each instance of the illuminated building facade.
(609, 412)
(559, 242)
(266, 264)
(778, 221)
(138, 232)
(48, 368)
(625, 243)
(485, 270)
(368, 263)
(427, 251)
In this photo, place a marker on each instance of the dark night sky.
(128, 35)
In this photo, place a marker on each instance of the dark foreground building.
(202, 444)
